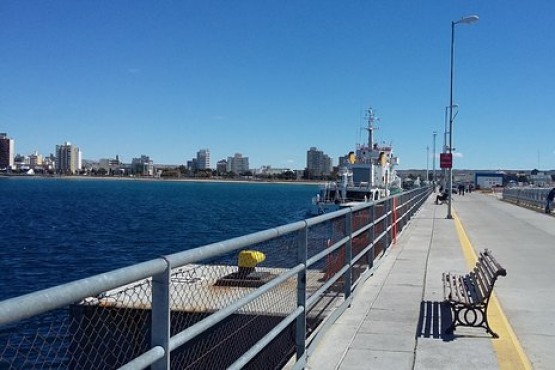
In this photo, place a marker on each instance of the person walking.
(549, 200)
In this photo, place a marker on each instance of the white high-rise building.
(68, 158)
(203, 159)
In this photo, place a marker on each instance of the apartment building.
(238, 164)
(318, 164)
(7, 148)
(68, 158)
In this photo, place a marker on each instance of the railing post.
(387, 208)
(300, 333)
(370, 254)
(160, 320)
(394, 220)
(348, 276)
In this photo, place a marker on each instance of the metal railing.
(527, 197)
(192, 310)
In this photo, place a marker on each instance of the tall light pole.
(434, 162)
(445, 147)
(446, 131)
(427, 164)
(464, 20)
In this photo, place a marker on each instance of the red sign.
(446, 160)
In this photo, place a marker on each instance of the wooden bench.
(468, 295)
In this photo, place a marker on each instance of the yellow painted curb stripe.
(508, 350)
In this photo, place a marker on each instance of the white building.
(203, 159)
(269, 171)
(35, 160)
(109, 163)
(541, 179)
(68, 158)
(143, 166)
(488, 180)
(238, 164)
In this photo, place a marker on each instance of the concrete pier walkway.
(397, 320)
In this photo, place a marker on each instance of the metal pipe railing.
(32, 304)
(526, 197)
(380, 228)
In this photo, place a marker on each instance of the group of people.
(463, 188)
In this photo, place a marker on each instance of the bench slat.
(488, 268)
(499, 270)
(482, 280)
(475, 287)
(462, 289)
(452, 287)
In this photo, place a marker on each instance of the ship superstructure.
(368, 175)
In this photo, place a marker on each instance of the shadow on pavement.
(435, 318)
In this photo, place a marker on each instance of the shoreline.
(151, 179)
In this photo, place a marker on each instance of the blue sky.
(270, 79)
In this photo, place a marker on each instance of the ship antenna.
(371, 118)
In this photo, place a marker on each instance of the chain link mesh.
(107, 331)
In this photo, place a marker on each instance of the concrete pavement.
(397, 321)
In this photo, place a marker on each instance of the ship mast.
(371, 119)
(373, 152)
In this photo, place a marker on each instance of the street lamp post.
(427, 164)
(464, 20)
(445, 135)
(434, 162)
(446, 131)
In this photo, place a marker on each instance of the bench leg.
(475, 317)
(488, 328)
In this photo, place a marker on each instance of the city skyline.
(193, 162)
(201, 161)
(273, 80)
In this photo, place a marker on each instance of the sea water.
(58, 230)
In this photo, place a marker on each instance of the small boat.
(367, 175)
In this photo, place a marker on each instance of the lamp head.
(469, 19)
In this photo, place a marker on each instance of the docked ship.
(368, 175)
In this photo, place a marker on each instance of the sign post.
(446, 160)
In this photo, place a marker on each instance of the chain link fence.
(109, 329)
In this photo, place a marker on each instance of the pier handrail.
(526, 197)
(332, 254)
(22, 307)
